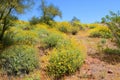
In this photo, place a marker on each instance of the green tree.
(49, 12)
(113, 21)
(7, 9)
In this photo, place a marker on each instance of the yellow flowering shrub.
(19, 36)
(22, 25)
(41, 30)
(64, 62)
(100, 31)
(65, 59)
(67, 27)
(64, 27)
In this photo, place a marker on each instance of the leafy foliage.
(49, 12)
(19, 59)
(7, 9)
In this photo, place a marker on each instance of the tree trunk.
(3, 30)
(4, 24)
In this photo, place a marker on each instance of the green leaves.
(19, 59)
(49, 12)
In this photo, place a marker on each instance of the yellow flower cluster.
(100, 31)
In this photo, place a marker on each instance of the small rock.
(110, 71)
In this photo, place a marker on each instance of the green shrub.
(19, 59)
(22, 25)
(63, 29)
(34, 20)
(64, 43)
(67, 27)
(20, 37)
(112, 51)
(52, 40)
(64, 61)
(42, 33)
(101, 32)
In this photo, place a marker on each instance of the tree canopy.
(49, 12)
(8, 8)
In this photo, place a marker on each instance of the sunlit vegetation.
(100, 31)
(57, 49)
(113, 21)
(19, 59)
(13, 36)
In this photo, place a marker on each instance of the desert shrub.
(42, 31)
(52, 40)
(64, 27)
(18, 36)
(111, 56)
(19, 59)
(34, 20)
(112, 51)
(113, 21)
(64, 61)
(114, 27)
(101, 32)
(22, 25)
(78, 25)
(64, 43)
